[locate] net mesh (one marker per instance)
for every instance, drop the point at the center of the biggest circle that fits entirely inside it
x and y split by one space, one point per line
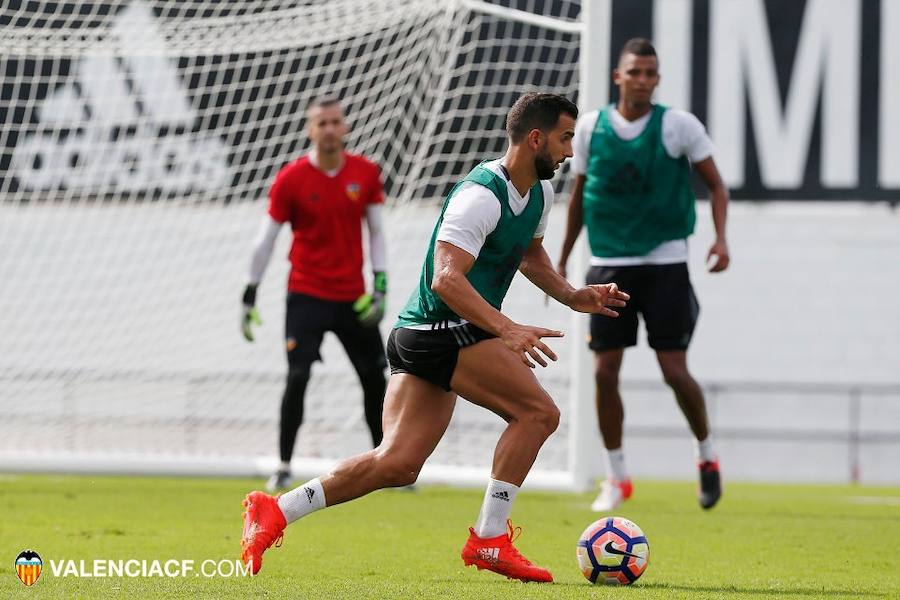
137 143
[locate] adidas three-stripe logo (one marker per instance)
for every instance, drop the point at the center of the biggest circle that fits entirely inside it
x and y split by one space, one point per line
462 335
489 554
124 123
501 496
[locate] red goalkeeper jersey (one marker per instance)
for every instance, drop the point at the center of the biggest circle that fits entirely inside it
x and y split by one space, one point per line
325 213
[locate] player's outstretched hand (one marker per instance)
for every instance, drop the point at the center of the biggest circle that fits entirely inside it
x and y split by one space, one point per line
597 298
525 341
249 314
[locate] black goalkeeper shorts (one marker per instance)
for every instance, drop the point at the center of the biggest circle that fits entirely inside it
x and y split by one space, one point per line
431 354
308 318
661 294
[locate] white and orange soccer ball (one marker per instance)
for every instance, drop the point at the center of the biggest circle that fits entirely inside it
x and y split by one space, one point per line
613 550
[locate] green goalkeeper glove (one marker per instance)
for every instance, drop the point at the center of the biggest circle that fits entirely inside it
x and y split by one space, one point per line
369 308
249 314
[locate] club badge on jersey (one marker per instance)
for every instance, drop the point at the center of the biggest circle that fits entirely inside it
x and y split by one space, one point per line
353 191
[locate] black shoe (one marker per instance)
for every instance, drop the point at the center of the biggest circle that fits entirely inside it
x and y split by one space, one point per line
710 484
280 480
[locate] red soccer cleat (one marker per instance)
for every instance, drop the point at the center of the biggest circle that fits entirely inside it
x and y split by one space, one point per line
263 526
498 554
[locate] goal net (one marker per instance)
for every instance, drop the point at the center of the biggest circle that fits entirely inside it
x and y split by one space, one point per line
138 139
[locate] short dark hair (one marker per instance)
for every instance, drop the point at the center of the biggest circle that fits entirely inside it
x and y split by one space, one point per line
639 46
536 110
324 100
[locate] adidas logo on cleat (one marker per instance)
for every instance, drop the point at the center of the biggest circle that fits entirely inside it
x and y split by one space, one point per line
125 122
492 555
500 496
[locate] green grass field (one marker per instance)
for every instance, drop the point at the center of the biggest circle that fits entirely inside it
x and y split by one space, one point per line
762 541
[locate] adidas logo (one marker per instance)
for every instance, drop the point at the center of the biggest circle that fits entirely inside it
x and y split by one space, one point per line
309 494
489 554
501 496
125 123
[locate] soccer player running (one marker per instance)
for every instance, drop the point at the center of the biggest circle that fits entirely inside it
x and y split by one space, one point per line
633 191
451 338
325 195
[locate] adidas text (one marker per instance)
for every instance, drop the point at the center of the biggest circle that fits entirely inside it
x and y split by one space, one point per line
123 122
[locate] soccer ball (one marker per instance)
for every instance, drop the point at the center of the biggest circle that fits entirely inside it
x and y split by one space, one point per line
612 550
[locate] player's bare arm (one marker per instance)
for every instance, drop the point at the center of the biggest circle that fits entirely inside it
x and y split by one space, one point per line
449 282
574 223
536 266
719 199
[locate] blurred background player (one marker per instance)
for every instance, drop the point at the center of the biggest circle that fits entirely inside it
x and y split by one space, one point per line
633 191
325 195
451 338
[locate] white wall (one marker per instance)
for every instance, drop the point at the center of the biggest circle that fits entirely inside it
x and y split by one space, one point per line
117 315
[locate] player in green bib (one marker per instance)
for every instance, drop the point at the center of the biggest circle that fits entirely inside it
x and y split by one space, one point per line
633 191
451 338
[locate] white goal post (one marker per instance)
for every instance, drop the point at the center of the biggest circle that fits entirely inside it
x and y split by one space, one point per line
137 142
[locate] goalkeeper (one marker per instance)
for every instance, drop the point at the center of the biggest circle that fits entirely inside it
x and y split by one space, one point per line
325 195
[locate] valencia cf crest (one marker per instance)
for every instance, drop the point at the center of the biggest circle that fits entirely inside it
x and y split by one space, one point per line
28 566
353 191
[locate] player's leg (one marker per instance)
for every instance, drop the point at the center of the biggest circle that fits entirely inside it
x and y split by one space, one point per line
608 340
689 395
305 321
617 486
416 415
365 350
610 410
671 313
491 376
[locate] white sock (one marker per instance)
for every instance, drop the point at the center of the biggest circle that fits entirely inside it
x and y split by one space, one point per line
285 466
704 450
615 465
301 501
495 509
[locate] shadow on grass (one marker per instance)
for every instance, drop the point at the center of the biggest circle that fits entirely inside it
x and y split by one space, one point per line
722 589
777 592
769 513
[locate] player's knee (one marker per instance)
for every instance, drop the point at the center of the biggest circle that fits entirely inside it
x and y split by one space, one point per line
551 419
545 417
677 378
298 374
606 378
295 389
399 471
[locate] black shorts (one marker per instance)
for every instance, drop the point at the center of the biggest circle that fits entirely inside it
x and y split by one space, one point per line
663 296
307 320
431 354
